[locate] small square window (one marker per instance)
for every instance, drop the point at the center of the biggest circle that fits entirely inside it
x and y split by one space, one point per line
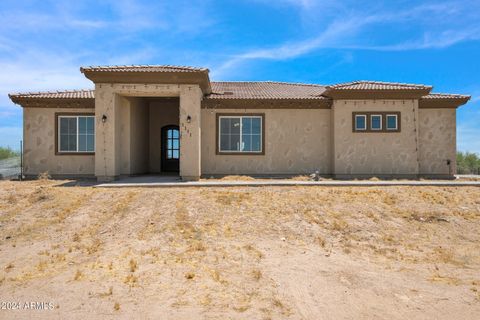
360 122
376 122
392 122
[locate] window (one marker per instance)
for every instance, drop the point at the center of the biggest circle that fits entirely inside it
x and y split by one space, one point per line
240 134
173 144
392 122
76 134
376 122
360 122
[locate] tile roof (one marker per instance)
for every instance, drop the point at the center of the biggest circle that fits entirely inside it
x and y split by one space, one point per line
265 90
377 85
142 68
235 91
433 96
68 94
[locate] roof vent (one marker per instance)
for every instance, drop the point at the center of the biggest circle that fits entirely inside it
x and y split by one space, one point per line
228 93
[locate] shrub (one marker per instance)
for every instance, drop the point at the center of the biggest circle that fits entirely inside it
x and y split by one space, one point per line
7 152
468 163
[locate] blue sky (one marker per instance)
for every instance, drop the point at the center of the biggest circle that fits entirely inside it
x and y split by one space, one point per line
43 44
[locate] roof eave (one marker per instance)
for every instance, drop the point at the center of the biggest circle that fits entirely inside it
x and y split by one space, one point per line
256 103
29 102
441 103
376 94
200 77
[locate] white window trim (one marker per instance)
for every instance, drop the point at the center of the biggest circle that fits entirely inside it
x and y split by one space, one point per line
396 122
371 122
241 142
59 135
364 116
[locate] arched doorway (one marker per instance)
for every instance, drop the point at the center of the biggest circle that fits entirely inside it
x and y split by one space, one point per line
170 157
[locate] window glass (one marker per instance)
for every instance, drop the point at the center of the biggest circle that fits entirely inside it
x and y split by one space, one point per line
68 134
230 134
91 142
257 125
376 122
256 142
360 122
392 122
85 134
91 125
173 144
240 134
76 134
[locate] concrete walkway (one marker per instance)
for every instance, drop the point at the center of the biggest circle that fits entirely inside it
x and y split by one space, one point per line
172 181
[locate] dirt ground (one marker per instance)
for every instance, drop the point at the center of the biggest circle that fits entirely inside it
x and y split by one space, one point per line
239 253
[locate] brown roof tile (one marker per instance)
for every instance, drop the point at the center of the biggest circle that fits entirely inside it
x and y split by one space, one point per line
434 96
68 94
265 90
142 68
377 85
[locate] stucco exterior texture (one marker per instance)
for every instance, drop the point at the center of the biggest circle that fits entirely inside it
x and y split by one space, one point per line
426 141
39 145
297 141
306 128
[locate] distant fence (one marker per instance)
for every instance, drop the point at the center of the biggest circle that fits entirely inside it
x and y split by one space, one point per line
461 170
10 168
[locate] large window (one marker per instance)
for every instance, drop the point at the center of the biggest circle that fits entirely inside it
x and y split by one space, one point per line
376 121
76 134
240 134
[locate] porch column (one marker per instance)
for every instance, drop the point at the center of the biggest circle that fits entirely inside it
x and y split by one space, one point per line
190 135
107 149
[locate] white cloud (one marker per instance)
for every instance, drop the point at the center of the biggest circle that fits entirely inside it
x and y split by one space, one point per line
341 34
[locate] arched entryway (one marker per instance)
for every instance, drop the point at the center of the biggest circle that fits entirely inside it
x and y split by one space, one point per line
170 155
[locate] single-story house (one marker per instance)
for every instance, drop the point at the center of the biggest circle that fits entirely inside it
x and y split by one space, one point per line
169 119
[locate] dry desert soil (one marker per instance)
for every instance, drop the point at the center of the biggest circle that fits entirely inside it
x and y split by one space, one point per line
239 253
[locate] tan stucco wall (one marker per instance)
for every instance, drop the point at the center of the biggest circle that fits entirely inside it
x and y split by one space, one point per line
162 113
190 132
39 145
437 138
139 136
375 153
133 140
108 101
296 141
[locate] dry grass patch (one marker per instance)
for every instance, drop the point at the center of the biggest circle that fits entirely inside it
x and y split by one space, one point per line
227 252
237 178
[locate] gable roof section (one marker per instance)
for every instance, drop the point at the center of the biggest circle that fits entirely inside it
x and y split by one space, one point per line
376 89
265 90
266 95
377 85
164 74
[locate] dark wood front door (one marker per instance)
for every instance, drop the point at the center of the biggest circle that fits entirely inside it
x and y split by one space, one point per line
170 148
